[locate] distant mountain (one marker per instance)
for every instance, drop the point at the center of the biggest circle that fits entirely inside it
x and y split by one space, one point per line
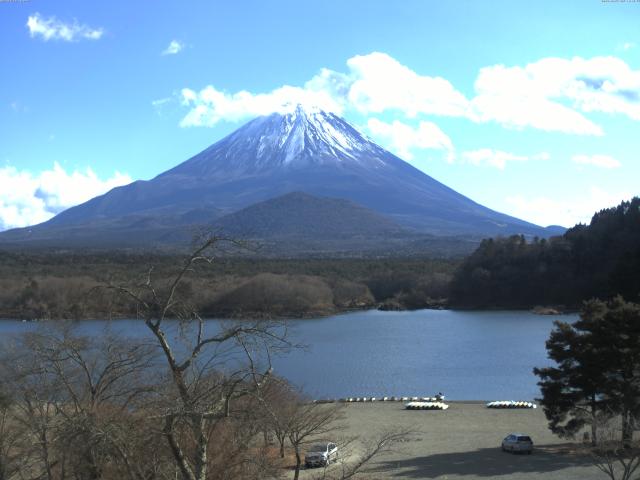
308 151
299 214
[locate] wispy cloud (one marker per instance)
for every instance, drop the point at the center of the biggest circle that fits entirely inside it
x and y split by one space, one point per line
51 28
602 161
18 107
174 47
403 138
498 158
28 199
552 94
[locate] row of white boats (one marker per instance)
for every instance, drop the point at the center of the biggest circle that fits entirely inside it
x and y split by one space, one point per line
426 406
510 404
381 399
427 403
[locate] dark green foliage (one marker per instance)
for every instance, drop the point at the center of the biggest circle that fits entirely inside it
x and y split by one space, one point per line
599 260
614 333
598 360
572 392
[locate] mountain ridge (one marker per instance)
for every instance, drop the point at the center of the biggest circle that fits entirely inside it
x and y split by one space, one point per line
308 151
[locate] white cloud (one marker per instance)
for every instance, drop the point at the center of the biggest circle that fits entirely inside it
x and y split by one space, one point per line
602 161
565 211
552 94
374 83
510 97
174 47
498 158
628 46
53 29
379 83
402 138
210 106
161 101
27 199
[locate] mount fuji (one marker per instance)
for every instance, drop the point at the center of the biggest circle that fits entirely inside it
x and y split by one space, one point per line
304 150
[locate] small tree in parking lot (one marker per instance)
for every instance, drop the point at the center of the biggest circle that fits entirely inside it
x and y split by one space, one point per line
307 423
617 459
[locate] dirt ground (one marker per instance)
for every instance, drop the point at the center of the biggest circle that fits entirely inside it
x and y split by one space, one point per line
464 442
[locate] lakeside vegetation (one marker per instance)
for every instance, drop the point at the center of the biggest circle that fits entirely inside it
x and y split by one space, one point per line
57 285
597 260
202 405
205 404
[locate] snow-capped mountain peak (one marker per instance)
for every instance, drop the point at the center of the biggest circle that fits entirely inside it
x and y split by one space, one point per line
298 150
300 137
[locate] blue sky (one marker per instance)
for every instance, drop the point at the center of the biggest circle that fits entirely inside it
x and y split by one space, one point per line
530 108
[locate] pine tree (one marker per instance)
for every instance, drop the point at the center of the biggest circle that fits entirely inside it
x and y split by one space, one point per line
598 362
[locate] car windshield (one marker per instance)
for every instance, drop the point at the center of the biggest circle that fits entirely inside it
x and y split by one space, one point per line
318 448
524 439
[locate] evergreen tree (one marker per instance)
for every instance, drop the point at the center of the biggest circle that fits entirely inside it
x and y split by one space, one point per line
598 362
615 330
572 393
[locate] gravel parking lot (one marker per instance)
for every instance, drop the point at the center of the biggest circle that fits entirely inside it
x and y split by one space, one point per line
464 442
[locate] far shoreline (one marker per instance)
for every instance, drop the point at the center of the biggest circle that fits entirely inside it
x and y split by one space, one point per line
310 315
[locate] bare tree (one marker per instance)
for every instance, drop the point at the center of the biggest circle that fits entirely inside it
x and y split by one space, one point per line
307 423
12 440
279 401
75 396
208 369
614 455
357 455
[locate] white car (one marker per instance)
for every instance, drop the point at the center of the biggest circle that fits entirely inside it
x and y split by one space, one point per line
321 454
517 442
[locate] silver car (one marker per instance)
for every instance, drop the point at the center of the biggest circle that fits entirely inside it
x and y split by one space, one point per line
321 454
517 442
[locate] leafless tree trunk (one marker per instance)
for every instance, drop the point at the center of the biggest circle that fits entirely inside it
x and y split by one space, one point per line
210 370
75 396
12 438
308 421
615 453
356 455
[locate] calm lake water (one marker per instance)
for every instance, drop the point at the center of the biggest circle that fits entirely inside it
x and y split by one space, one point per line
466 355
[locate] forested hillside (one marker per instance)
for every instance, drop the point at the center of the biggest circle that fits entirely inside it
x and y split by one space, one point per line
60 285
601 259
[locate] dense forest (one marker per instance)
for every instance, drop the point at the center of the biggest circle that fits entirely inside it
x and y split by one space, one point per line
61 285
601 259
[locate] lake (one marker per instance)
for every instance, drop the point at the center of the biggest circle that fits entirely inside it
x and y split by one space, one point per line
467 355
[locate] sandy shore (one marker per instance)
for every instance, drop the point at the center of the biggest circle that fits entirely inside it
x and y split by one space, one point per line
464 442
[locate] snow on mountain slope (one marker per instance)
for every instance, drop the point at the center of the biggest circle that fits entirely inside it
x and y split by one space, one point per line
298 139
